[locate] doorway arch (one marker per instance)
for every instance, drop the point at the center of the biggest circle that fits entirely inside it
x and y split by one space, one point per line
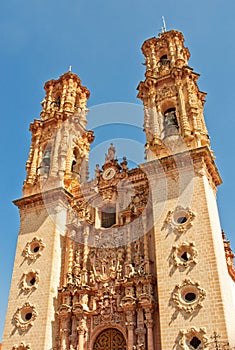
110 339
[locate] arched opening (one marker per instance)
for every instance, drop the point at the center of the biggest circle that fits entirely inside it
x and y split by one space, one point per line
164 60
170 122
110 339
76 163
46 160
108 216
170 117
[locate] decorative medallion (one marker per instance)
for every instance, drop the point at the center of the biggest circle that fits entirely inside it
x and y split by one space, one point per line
184 254
193 338
188 296
179 220
33 249
25 317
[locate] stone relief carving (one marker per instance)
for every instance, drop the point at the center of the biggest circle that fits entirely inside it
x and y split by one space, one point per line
115 238
165 92
33 249
184 254
106 264
188 296
179 220
116 280
25 317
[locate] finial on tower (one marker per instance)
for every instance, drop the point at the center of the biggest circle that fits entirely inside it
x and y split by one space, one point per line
70 68
164 24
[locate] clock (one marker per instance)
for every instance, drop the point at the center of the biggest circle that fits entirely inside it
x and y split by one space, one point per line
109 173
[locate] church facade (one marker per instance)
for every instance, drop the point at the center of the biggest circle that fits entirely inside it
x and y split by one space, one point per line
133 259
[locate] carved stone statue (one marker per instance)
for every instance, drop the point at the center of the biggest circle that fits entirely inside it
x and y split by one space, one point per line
111 153
97 171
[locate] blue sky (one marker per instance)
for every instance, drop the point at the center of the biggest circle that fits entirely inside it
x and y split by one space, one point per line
102 40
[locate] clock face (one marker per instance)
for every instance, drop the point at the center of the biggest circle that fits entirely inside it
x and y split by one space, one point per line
108 173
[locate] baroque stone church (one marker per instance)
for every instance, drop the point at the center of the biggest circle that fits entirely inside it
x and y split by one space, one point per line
133 259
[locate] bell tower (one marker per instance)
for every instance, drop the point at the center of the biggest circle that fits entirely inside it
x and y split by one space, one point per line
172 101
60 143
195 287
56 167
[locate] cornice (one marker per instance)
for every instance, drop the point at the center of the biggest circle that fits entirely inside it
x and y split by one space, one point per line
182 160
49 196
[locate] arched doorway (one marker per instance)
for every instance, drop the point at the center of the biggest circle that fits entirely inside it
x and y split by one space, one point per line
110 339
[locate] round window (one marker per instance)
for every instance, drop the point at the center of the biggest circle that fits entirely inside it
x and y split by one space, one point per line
189 294
189 297
180 217
31 278
26 314
34 247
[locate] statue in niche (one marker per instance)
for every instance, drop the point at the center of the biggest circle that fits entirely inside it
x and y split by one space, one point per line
69 278
119 271
141 269
77 275
77 256
84 302
92 278
130 271
112 270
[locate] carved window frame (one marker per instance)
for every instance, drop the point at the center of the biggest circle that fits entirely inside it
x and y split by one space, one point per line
186 336
182 290
26 284
33 249
21 319
187 248
174 217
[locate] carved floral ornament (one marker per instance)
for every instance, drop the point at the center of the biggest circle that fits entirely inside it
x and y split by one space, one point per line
25 317
179 220
22 346
184 254
188 296
30 281
193 338
33 249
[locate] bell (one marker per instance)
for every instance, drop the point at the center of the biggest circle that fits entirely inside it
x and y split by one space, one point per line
46 157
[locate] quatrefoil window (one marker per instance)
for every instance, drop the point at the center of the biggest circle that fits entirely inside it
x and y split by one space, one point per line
184 254
34 249
192 339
